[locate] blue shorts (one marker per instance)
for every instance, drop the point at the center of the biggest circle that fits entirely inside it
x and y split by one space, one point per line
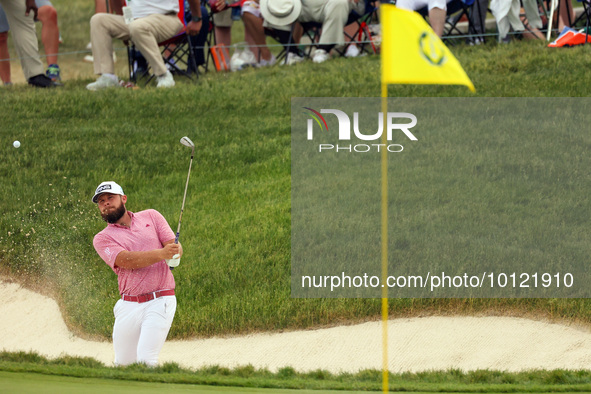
4 22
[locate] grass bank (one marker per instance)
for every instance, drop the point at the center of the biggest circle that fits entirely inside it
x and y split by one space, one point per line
235 275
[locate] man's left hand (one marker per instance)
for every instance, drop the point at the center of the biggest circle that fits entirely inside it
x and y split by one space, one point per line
193 28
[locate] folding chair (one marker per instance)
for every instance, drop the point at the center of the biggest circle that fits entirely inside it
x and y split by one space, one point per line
585 16
311 32
177 52
287 39
363 37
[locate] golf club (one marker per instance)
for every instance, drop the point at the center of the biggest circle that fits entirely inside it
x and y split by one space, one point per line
176 260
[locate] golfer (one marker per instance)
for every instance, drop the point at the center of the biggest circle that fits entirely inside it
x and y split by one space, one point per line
135 246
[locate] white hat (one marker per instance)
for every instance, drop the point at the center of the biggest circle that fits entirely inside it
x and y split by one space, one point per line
107 187
281 12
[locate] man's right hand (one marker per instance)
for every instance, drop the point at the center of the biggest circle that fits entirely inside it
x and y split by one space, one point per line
218 5
168 251
31 6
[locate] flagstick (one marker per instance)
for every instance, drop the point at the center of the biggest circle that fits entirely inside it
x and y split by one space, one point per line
384 159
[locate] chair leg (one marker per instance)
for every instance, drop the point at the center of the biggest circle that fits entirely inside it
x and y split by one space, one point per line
132 76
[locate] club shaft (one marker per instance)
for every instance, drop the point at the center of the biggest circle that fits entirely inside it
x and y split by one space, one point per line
178 230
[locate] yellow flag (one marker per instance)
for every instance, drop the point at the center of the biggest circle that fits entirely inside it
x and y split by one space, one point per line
413 54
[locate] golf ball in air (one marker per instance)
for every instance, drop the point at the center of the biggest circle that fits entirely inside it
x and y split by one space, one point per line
16 144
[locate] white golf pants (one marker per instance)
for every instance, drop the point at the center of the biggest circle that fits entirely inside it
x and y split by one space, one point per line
141 328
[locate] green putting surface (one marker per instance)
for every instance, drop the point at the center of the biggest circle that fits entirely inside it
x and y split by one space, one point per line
23 383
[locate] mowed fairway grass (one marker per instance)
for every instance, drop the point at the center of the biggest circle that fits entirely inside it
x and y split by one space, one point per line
235 275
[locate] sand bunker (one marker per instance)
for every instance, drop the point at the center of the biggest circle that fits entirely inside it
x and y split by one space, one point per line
33 322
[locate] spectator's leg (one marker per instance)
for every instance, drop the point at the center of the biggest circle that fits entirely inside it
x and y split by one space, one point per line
223 27
24 36
437 20
335 15
147 32
103 28
223 35
478 16
254 27
503 28
50 33
567 14
252 44
4 58
532 20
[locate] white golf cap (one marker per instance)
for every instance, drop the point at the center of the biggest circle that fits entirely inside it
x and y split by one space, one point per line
107 187
281 12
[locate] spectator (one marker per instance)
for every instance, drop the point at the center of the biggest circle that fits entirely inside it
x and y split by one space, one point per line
152 21
253 28
332 14
224 15
279 18
106 7
50 36
478 19
198 40
507 14
222 20
19 17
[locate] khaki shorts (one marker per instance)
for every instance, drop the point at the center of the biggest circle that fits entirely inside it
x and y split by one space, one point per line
223 19
4 22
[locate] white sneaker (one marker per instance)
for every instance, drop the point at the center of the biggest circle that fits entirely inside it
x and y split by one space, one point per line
248 57
352 51
270 62
476 41
320 56
292 59
165 81
103 82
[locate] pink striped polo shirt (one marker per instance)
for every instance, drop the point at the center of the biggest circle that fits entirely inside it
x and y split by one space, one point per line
148 231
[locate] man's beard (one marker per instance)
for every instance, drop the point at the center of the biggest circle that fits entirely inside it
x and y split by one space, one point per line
114 215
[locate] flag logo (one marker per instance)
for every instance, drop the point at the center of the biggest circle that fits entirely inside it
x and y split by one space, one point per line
431 49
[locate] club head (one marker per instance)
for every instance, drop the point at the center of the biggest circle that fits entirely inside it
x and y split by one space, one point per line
187 142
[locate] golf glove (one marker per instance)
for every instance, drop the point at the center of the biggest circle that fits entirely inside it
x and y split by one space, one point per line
175 261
